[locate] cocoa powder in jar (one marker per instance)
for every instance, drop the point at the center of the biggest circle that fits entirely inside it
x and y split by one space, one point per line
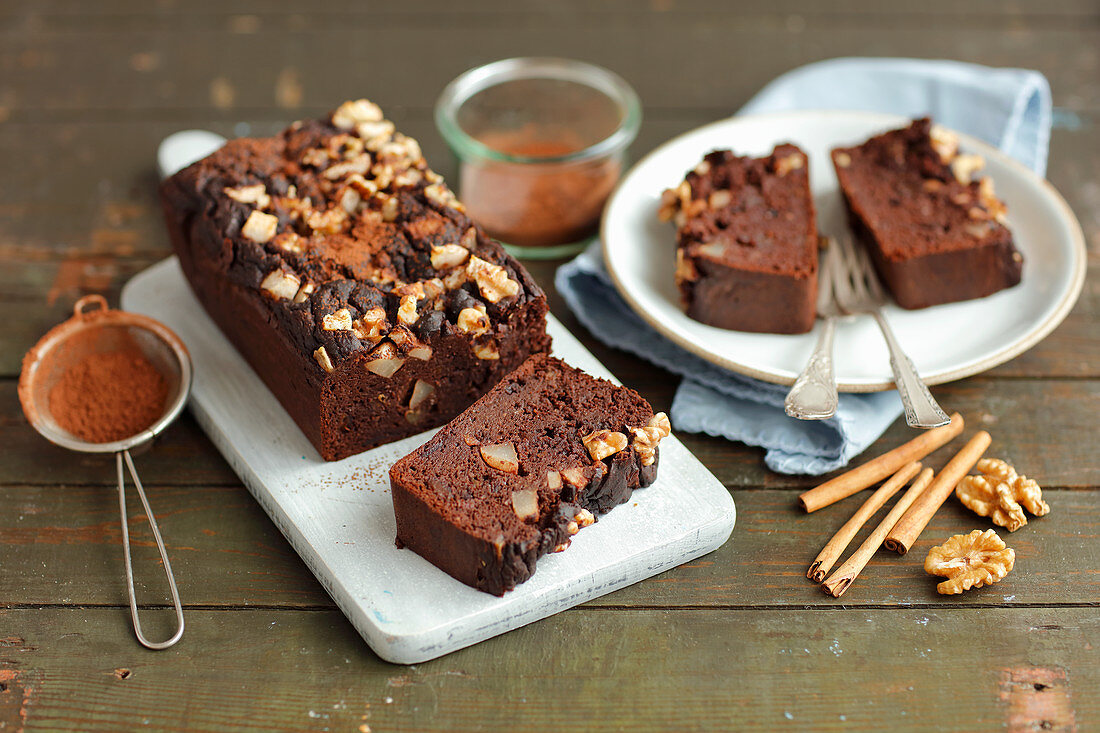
533 203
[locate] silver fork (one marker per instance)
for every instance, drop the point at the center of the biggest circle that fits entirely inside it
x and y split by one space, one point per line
858 290
813 395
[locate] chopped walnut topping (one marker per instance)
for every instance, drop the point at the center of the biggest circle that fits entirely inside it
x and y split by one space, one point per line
988 198
281 284
260 227
673 200
703 168
432 288
321 357
439 194
963 167
288 242
406 312
455 278
344 146
685 268
330 221
1001 494
375 133
603 443
446 256
385 360
491 279
350 200
473 321
792 162
407 178
401 148
562 547
486 349
843 159
469 239
383 175
256 194
501 456
303 293
351 113
371 325
338 321
944 142
358 165
361 185
970 561
584 518
389 207
316 157
720 199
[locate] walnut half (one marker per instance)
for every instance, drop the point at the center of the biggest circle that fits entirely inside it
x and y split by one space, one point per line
1001 494
970 561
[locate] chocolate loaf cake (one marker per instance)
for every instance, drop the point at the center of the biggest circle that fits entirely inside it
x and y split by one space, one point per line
935 230
746 241
348 276
522 470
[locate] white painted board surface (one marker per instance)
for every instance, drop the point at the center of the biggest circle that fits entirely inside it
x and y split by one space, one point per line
338 516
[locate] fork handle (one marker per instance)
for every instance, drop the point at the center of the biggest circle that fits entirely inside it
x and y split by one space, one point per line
921 409
813 396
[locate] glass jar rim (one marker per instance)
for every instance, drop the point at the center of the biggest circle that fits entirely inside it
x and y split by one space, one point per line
475 80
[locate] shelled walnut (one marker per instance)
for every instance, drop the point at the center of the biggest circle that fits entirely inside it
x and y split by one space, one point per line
970 561
1001 494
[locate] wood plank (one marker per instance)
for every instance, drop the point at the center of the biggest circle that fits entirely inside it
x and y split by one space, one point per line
147 72
983 10
625 669
1061 454
61 545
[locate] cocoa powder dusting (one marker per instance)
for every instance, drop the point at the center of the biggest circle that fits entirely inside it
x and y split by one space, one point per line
110 396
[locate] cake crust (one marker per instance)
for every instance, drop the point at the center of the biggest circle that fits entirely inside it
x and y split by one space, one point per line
349 277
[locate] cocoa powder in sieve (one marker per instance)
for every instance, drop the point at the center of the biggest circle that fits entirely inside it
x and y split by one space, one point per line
109 396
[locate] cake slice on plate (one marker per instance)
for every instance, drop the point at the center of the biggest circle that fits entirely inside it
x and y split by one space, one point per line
746 256
522 470
935 230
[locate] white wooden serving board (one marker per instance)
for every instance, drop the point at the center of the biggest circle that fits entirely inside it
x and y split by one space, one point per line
338 516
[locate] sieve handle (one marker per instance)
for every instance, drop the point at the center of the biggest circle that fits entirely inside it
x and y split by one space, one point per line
160 546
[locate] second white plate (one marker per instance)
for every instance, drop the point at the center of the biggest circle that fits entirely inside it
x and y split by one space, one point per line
946 343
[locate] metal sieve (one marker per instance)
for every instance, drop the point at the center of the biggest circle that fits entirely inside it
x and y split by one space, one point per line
96 329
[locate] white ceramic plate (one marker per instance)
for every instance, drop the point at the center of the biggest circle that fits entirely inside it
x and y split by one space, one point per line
946 342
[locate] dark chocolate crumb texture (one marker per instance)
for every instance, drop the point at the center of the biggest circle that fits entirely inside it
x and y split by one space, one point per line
350 278
934 228
522 470
746 255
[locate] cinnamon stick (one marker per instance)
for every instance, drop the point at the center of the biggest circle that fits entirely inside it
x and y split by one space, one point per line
831 552
910 526
877 469
846 574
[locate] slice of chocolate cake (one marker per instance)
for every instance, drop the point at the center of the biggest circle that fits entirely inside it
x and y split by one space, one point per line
522 470
935 230
746 256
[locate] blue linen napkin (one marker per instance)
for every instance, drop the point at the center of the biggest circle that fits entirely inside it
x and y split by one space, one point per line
1009 108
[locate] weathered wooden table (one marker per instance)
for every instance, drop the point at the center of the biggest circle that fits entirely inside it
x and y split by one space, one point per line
739 638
